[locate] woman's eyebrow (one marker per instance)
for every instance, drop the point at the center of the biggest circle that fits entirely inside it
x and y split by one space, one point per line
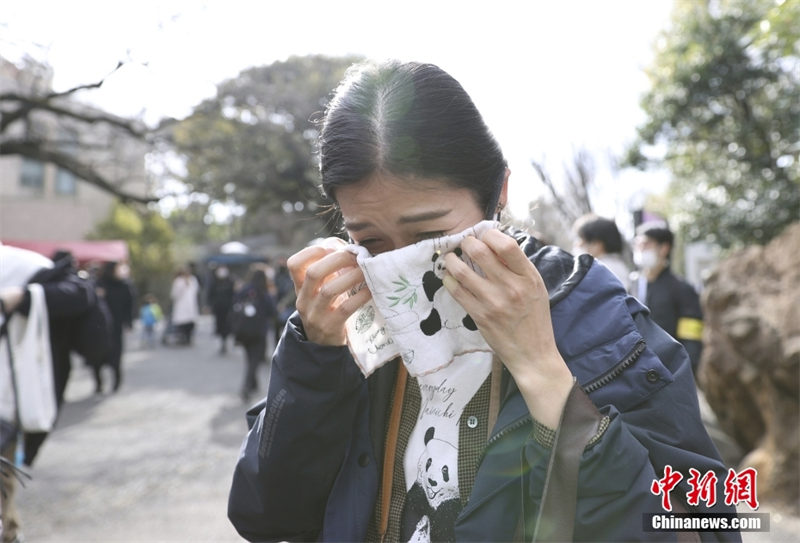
405 219
356 226
424 216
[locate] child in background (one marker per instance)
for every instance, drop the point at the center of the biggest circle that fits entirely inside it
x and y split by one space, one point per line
150 315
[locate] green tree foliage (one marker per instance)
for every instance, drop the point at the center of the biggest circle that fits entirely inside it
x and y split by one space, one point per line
253 143
724 109
194 224
150 239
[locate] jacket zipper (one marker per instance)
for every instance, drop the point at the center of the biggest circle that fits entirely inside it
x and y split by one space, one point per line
600 382
615 372
510 428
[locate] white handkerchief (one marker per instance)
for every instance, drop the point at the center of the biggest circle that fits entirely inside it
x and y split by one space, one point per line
411 314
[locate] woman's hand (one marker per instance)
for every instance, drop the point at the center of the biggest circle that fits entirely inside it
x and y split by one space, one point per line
323 278
512 310
12 297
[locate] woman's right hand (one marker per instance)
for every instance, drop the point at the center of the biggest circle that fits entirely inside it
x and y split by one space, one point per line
323 278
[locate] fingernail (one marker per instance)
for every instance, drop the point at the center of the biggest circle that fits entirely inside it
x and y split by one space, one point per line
449 283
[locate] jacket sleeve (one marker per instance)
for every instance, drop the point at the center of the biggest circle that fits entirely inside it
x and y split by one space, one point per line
629 444
297 441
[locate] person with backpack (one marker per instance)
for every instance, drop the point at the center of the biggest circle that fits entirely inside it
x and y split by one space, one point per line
74 323
252 317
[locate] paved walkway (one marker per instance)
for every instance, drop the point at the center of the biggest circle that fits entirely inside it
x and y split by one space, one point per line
150 463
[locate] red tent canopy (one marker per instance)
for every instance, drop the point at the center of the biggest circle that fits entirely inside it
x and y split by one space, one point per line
83 251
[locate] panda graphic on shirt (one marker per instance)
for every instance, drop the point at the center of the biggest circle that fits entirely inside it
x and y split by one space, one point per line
433 502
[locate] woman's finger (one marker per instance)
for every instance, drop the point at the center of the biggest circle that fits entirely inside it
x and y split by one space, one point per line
299 262
343 283
483 256
508 251
320 271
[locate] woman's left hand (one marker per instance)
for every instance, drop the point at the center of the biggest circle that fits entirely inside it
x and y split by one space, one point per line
511 307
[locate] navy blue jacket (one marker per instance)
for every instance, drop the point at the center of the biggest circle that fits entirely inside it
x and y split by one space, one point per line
309 466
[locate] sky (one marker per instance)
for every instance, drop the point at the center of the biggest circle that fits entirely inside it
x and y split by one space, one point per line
548 76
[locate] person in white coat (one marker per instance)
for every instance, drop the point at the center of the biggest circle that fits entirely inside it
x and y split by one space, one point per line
185 309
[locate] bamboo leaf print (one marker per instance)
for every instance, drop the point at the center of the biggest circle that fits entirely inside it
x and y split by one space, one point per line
406 293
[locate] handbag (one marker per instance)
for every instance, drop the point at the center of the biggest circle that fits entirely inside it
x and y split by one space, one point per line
30 360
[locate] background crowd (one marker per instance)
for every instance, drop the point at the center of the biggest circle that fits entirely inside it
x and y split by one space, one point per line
90 309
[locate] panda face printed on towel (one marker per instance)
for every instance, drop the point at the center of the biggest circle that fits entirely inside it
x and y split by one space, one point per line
432 284
384 212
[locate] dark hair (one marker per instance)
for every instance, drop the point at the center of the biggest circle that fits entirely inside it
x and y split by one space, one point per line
107 270
258 278
408 120
62 254
656 230
592 228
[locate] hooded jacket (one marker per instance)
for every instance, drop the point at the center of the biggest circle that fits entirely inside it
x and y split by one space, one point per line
310 464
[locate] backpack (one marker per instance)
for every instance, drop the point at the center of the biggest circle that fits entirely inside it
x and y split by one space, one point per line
89 327
247 320
93 338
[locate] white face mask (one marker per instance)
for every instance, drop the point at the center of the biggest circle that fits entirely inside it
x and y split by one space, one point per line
123 271
646 259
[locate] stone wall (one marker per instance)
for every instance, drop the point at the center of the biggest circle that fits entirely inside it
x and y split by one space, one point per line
751 357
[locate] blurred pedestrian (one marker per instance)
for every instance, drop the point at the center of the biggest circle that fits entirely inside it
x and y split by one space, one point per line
220 299
53 306
254 316
285 296
600 238
201 285
185 307
115 287
150 315
674 303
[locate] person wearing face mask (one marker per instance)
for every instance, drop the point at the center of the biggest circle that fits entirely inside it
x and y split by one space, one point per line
551 424
674 304
220 298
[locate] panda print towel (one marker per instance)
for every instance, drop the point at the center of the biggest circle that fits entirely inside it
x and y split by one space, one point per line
411 314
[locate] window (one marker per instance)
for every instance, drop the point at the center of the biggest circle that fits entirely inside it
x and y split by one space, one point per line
31 175
65 183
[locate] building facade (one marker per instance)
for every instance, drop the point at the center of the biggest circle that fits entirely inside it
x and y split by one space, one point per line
41 201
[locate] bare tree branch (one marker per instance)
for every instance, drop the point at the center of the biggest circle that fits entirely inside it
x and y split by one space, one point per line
561 206
88 86
28 104
574 201
38 151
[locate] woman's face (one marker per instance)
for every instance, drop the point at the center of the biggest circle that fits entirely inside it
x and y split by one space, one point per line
384 212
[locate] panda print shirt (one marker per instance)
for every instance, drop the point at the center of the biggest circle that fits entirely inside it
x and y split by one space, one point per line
430 463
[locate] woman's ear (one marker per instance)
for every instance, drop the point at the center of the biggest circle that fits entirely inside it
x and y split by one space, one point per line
501 203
